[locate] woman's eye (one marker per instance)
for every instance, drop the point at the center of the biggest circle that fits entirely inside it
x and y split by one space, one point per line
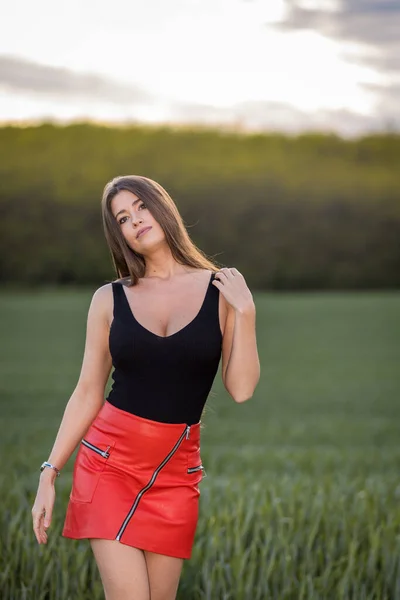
121 221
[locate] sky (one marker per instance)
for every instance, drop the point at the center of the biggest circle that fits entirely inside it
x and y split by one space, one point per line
284 65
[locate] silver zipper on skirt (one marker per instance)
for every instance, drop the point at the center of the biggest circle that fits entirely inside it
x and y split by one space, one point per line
134 506
194 469
105 453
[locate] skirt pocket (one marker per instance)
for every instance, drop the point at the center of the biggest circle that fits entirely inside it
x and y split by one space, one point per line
90 462
195 469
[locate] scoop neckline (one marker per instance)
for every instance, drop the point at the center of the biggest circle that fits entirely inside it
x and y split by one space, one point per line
167 337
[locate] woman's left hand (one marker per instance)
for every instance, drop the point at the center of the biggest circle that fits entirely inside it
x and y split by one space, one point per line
234 288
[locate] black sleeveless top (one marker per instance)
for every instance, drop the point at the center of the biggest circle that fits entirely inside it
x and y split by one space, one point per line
165 379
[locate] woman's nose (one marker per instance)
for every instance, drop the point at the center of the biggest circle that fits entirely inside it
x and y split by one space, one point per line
136 220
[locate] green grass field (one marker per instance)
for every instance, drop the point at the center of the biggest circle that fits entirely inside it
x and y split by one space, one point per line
302 494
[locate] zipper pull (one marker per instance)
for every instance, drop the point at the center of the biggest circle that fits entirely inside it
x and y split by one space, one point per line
187 431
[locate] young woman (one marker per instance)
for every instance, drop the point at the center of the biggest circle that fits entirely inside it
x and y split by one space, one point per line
164 326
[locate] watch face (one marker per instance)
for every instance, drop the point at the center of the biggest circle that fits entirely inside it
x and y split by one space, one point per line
47 464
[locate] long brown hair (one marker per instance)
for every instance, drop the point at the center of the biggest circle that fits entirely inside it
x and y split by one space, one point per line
129 263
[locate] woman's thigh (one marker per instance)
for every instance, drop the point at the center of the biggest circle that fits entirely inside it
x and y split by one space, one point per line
123 570
164 573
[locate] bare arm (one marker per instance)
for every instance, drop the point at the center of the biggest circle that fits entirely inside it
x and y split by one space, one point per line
241 371
82 407
88 396
240 361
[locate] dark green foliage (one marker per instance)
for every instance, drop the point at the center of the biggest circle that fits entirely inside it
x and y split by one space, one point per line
308 212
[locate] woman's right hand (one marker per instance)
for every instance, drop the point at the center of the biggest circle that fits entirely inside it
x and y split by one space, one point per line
42 509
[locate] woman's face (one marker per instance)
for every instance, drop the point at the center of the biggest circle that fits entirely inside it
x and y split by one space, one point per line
132 215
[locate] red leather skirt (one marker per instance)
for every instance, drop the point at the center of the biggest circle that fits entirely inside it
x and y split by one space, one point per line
136 481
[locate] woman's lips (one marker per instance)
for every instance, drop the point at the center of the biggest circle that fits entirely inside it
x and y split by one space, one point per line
143 231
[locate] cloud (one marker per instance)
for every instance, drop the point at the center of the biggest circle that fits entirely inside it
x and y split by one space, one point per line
33 80
21 75
277 116
388 102
374 24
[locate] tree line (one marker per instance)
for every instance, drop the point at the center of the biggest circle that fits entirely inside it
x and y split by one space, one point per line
305 212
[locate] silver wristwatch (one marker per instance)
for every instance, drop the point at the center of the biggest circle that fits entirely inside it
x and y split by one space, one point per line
47 464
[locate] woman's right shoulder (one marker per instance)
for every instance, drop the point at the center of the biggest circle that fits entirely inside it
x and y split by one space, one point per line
106 290
102 302
103 299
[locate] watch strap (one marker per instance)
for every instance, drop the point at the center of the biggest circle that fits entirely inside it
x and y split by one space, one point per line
47 464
